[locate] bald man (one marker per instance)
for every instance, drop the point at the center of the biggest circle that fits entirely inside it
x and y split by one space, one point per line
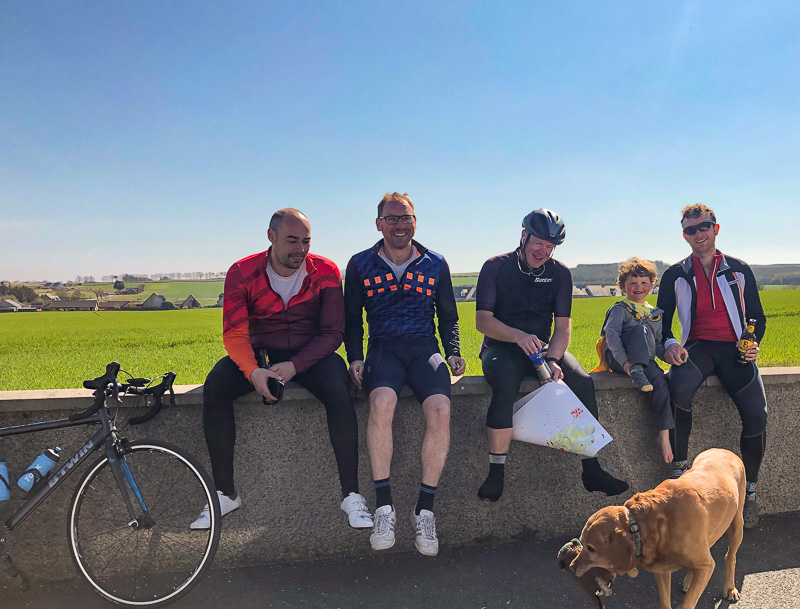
284 307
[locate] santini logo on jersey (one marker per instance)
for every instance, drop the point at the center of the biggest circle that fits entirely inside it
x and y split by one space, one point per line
543 280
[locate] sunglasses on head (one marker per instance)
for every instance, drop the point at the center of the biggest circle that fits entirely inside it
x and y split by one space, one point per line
702 227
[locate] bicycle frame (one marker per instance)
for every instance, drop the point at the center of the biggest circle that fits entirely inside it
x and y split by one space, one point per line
105 436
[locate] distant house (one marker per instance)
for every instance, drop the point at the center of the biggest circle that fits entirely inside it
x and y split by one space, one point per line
464 293
597 290
7 304
113 305
578 292
613 290
220 300
85 304
190 303
154 302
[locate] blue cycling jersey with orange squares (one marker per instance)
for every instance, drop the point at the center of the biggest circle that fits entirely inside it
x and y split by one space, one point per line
398 307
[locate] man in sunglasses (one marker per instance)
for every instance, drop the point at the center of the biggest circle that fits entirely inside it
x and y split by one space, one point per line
714 296
402 286
284 306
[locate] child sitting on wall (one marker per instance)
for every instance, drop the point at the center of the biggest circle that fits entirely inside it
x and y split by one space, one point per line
631 340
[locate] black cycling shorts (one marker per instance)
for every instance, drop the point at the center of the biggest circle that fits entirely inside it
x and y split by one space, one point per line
416 362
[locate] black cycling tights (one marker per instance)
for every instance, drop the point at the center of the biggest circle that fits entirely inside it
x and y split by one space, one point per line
743 384
327 380
505 365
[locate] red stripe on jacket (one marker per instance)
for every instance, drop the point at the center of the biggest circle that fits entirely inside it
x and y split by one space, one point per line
253 315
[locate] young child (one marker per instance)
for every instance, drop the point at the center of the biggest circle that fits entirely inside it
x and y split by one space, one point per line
632 332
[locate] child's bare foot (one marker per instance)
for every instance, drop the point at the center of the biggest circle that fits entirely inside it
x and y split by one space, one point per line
663 444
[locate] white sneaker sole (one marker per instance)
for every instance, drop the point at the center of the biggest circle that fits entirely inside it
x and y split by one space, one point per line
381 545
427 551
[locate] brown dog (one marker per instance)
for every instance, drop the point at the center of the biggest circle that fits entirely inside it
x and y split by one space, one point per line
673 527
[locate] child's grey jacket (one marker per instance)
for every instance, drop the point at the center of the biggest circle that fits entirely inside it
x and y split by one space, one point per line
620 321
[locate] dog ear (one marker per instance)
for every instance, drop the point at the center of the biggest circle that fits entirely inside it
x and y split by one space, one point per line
624 551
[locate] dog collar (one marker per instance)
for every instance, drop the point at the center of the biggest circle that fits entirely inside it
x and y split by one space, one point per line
637 540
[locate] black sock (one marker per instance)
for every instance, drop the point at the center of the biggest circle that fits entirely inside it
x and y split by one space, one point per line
426 496
492 488
595 478
383 493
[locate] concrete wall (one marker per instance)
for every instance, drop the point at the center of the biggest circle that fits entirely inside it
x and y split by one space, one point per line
287 477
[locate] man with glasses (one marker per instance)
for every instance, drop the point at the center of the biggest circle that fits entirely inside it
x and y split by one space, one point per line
714 296
524 302
402 286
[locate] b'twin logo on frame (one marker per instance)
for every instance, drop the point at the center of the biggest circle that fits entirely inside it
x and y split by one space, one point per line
543 280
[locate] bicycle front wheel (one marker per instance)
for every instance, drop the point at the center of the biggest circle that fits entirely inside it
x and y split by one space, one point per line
155 559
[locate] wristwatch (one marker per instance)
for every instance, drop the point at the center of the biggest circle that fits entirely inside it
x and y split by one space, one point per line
553 359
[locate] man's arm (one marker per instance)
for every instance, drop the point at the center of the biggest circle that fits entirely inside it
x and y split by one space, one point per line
752 303
353 314
331 325
236 322
447 315
674 353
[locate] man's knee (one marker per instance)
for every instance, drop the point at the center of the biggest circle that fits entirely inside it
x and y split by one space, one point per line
437 412
382 403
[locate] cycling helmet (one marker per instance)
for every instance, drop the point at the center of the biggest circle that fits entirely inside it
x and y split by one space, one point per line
545 224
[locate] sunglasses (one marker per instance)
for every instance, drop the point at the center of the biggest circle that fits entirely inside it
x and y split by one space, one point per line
702 227
407 219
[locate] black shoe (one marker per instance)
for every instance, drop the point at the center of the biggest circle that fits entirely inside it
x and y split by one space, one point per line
597 479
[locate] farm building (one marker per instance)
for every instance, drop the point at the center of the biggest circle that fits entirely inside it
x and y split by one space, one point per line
7 304
113 305
220 300
154 302
190 303
578 292
597 290
613 290
464 293
83 304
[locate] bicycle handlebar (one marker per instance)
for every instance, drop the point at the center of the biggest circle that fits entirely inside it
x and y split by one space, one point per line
107 386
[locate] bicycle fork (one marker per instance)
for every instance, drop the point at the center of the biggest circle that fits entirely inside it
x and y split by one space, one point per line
124 478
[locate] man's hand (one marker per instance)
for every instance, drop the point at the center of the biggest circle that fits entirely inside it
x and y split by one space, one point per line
285 371
357 373
752 352
457 365
676 355
529 343
259 380
556 371
627 368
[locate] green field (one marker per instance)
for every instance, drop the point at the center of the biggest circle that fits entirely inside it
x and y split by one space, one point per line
59 350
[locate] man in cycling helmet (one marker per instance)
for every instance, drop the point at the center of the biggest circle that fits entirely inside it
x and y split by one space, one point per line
524 301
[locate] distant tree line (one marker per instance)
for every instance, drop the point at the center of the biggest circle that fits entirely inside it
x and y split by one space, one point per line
17 291
140 277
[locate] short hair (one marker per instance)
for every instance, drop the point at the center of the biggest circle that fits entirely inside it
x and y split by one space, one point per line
277 218
636 267
697 210
395 196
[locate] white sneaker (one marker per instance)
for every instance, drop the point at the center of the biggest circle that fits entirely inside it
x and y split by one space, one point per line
425 527
355 506
382 537
226 505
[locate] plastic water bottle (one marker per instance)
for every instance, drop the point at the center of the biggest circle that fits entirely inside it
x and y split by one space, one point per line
4 492
542 369
42 466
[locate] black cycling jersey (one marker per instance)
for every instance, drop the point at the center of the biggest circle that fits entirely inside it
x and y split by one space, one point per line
527 301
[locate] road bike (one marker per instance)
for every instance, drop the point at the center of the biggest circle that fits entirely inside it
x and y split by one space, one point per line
128 520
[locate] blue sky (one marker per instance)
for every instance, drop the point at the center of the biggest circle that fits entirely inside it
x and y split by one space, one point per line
147 137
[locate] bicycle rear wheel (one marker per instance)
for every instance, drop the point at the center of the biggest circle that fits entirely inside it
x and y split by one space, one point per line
161 560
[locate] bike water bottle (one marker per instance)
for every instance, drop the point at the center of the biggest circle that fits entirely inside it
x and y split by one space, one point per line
542 369
4 484
42 466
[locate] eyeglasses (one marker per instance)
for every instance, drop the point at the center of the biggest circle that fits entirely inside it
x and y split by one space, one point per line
702 227
407 219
